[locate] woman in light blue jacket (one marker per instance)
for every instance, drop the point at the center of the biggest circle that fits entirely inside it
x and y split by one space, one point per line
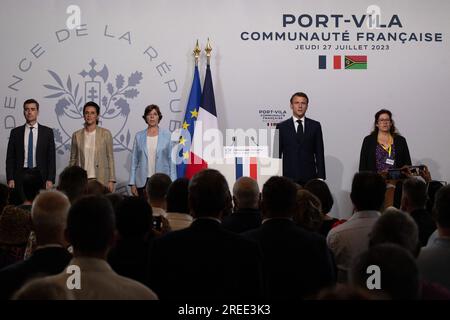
152 152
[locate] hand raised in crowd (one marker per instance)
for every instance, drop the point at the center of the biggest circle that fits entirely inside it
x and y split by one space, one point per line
405 171
163 228
425 174
385 174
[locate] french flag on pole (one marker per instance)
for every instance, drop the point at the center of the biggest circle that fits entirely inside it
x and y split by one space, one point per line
207 119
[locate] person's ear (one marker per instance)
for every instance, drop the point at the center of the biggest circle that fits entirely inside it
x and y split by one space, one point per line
235 202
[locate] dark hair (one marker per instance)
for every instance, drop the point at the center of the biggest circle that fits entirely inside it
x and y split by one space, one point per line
441 209
208 193
320 189
133 217
90 224
149 109
279 197
432 188
299 94
399 272
416 191
115 199
177 196
73 182
395 226
309 213
393 129
368 190
28 101
157 186
92 104
32 183
97 188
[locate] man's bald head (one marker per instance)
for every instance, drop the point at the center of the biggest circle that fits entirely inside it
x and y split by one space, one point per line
49 216
246 193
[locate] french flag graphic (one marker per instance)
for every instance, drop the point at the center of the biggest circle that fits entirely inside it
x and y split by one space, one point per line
247 167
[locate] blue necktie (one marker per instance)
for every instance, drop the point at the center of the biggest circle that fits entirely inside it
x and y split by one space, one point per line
30 148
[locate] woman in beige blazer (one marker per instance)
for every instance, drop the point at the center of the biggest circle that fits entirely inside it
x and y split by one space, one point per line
92 148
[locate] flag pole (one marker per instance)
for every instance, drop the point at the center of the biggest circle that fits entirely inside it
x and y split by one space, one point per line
208 50
197 51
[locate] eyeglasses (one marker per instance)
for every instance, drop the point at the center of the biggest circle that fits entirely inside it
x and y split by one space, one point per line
384 120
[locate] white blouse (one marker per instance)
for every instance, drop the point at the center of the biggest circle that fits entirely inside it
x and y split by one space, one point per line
152 143
89 153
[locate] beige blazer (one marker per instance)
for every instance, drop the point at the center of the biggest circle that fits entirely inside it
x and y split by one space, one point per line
98 282
104 157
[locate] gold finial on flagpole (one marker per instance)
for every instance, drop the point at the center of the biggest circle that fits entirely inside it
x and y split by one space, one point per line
197 51
208 50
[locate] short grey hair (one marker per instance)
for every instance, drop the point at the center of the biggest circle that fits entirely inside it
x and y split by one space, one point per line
49 211
246 192
398 227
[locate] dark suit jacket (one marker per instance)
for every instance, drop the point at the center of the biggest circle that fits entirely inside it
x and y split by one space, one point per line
296 263
45 261
242 220
45 154
130 258
304 160
425 224
205 262
367 161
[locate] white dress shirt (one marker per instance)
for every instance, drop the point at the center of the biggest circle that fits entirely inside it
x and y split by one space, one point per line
296 123
350 239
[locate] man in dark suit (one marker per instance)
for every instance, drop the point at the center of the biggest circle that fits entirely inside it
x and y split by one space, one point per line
205 261
413 201
297 263
49 215
300 143
31 145
246 215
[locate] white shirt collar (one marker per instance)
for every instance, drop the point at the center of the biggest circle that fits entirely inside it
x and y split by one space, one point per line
365 214
34 126
295 120
302 119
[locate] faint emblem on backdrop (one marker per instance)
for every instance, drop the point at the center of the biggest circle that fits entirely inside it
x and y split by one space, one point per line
111 93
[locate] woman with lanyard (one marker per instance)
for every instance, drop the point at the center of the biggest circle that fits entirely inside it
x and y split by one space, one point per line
384 148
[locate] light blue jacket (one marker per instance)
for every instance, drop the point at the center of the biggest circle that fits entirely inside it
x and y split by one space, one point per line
139 158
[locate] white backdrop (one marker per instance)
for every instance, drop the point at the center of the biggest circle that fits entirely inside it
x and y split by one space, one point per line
147 46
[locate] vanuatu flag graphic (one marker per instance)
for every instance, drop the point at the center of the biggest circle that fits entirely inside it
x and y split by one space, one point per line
355 62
